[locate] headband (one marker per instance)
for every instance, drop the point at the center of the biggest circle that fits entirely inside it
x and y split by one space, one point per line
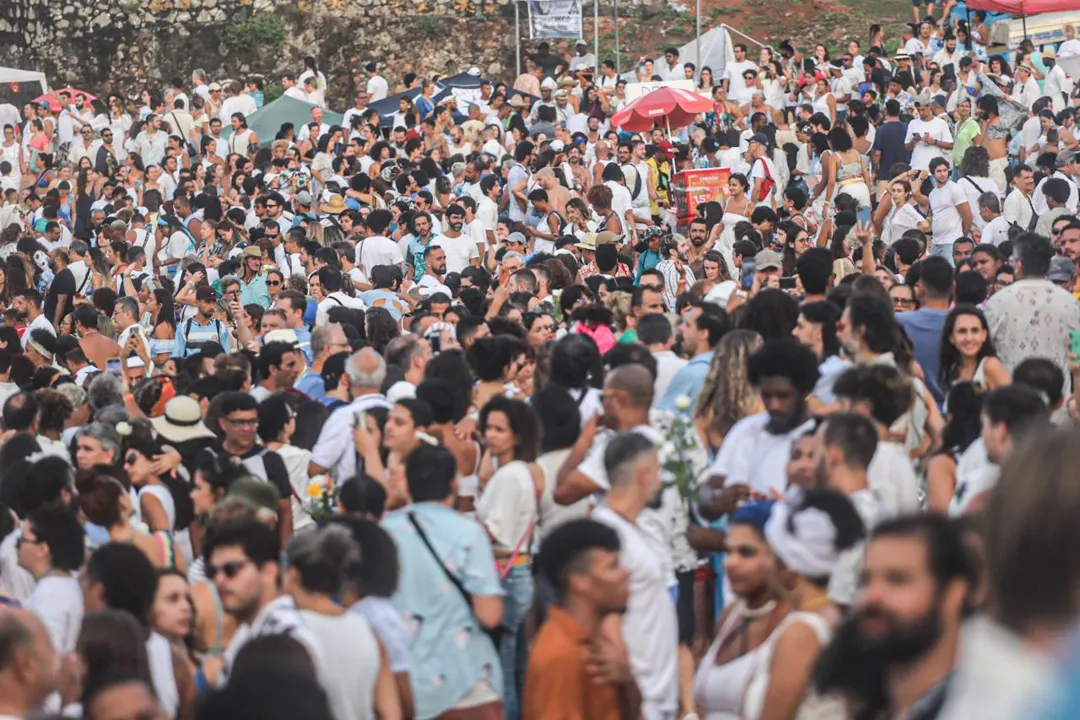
39 349
804 540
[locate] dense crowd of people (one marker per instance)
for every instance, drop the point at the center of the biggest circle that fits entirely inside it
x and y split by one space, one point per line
452 415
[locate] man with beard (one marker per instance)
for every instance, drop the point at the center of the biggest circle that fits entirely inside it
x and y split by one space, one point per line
461 248
431 281
755 452
579 174
699 245
894 656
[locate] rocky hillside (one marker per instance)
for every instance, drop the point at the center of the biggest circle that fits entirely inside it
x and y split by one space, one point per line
127 45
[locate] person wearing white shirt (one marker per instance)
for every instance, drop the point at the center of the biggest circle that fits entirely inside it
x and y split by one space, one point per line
329 282
649 626
431 281
51 548
928 137
668 67
733 79
949 209
1058 85
1019 205
335 450
584 60
238 102
756 450
378 249
1025 89
974 187
377 87
357 111
487 207
995 229
656 334
460 248
296 92
316 118
1041 207
1071 46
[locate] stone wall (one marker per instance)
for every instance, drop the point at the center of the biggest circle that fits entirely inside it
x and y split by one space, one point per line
128 45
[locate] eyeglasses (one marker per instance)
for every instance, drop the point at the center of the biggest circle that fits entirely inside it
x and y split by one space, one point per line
242 422
230 569
236 293
903 302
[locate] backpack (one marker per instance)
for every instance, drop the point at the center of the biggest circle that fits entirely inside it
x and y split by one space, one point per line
767 184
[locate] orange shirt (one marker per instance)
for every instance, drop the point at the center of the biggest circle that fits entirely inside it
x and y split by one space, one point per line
557 686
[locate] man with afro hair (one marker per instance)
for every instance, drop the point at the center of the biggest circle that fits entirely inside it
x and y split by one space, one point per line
754 456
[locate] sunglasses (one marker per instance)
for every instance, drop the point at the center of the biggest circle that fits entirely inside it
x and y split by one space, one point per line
230 569
130 459
273 283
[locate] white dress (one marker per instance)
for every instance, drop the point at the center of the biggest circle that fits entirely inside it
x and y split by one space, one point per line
726 244
813 706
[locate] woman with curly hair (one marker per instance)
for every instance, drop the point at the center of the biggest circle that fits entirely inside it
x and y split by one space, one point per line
726 395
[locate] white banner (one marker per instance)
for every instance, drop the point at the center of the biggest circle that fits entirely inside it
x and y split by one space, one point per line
554 19
636 90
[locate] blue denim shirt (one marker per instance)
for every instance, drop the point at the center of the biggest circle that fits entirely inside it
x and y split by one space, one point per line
450 653
687 381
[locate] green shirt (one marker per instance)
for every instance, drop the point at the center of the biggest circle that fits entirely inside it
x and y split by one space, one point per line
963 137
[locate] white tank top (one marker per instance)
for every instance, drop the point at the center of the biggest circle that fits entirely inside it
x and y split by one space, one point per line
718 689
813 706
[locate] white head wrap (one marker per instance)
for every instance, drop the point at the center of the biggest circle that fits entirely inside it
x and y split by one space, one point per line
808 546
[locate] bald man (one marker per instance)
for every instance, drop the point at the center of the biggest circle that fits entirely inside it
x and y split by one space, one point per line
28 664
628 394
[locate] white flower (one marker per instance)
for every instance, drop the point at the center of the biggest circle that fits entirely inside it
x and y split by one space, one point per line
123 429
682 402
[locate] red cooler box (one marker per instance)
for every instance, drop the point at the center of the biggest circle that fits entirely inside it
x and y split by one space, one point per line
693 188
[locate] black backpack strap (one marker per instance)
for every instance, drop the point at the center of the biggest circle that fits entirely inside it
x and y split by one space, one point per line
466 596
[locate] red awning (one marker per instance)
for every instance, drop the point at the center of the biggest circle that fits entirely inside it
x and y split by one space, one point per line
1026 8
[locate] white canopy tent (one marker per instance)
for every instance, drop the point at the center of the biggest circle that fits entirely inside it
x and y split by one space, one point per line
10 75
